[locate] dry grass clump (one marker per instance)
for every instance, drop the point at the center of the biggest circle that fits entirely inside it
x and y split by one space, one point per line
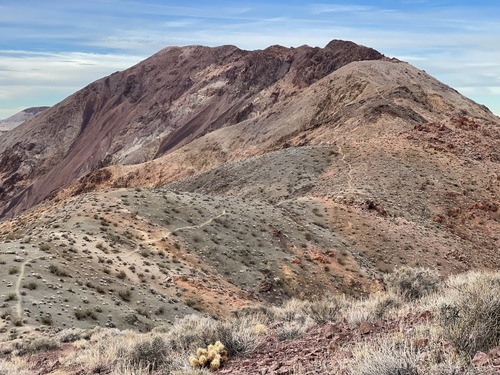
371 309
70 335
320 311
238 336
40 344
413 283
295 317
11 368
470 314
383 358
150 353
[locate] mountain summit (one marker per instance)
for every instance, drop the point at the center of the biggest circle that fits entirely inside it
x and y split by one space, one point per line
154 108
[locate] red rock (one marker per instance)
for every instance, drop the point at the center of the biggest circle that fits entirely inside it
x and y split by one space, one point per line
494 352
480 359
421 343
365 328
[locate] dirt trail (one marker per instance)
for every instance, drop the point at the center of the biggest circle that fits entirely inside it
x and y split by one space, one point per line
19 305
349 172
149 240
199 225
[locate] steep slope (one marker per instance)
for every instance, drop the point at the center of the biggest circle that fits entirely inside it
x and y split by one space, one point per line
154 108
20 117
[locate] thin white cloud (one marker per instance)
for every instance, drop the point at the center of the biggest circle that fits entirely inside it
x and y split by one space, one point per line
338 8
458 45
32 78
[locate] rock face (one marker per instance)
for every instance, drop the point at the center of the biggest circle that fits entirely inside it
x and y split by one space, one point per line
20 117
154 108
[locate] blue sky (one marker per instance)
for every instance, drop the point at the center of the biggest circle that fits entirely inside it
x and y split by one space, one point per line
51 48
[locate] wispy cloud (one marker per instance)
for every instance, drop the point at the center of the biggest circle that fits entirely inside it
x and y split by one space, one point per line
36 78
338 8
52 49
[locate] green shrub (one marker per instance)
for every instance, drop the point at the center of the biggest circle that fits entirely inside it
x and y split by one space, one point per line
412 283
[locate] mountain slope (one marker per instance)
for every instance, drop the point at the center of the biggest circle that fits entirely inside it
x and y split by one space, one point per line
278 173
154 108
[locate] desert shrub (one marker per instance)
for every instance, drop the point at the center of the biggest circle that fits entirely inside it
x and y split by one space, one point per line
448 369
47 320
125 295
370 309
470 315
324 310
13 270
11 297
151 354
31 285
212 357
54 269
239 337
195 331
291 310
293 329
383 358
41 344
412 283
9 368
70 335
84 314
44 246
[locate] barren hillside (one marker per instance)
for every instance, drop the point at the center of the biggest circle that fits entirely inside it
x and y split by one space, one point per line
215 180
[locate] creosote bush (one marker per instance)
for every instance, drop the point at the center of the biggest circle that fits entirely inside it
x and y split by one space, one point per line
212 357
412 283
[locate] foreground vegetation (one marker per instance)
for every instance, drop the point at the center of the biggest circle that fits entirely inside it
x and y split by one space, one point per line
420 325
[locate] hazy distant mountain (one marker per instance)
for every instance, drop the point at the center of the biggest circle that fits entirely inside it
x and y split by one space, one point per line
20 117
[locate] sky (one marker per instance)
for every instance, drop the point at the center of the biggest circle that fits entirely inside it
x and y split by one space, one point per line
51 48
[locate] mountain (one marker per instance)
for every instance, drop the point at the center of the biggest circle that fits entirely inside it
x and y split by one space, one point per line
20 117
213 179
155 108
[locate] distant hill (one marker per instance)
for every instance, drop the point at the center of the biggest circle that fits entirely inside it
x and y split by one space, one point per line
20 117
